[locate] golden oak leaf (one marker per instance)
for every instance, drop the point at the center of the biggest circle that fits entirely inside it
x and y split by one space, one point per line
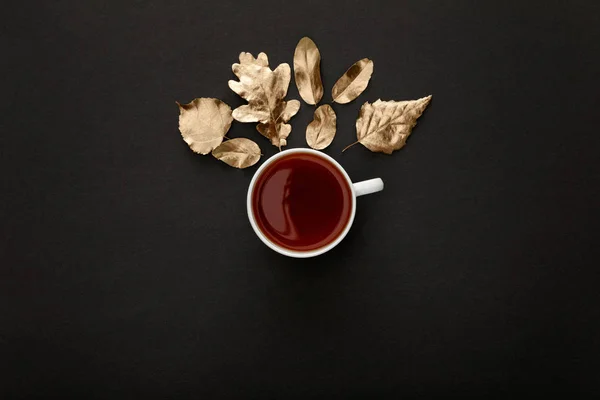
384 126
307 71
354 81
321 131
277 130
203 123
265 91
239 152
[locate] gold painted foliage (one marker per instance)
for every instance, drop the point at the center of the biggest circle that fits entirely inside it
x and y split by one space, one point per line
264 90
354 81
384 126
276 129
239 152
203 124
321 131
307 71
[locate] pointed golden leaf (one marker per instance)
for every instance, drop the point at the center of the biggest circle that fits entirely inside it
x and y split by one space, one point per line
321 131
239 152
354 81
265 91
384 126
203 123
307 71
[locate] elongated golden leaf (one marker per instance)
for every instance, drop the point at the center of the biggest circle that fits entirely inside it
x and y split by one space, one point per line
354 81
307 71
321 131
264 90
239 152
203 123
384 126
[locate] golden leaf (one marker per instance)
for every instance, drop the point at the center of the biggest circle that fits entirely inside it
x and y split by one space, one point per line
354 81
277 130
321 131
384 126
239 152
264 90
307 71
203 123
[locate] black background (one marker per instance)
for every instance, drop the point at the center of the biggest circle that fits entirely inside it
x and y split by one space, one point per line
129 268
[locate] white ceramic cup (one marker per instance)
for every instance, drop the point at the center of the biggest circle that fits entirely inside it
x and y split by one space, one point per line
358 189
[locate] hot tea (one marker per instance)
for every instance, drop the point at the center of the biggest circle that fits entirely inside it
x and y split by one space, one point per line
302 202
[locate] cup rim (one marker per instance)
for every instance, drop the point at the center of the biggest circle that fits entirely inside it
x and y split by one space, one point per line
282 250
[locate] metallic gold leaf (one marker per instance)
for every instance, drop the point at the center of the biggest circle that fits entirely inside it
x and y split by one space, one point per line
321 131
203 123
384 126
277 131
354 81
239 152
247 59
307 71
264 90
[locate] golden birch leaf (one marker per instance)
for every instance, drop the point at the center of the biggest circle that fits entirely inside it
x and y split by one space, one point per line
321 131
265 91
384 126
307 71
239 152
353 82
203 123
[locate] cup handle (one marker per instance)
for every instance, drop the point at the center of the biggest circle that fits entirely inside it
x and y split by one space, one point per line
368 186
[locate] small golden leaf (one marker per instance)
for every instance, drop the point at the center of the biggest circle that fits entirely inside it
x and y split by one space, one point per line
265 91
307 71
384 126
353 82
239 152
321 131
203 123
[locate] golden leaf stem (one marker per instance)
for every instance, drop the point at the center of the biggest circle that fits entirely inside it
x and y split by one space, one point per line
350 145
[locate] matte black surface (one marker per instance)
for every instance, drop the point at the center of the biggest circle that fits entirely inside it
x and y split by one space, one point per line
128 267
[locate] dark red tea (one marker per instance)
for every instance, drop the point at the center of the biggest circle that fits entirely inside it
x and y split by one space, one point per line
302 202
